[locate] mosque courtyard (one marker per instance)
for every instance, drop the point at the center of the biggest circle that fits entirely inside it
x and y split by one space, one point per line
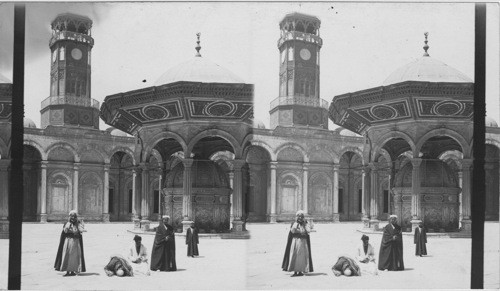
249 264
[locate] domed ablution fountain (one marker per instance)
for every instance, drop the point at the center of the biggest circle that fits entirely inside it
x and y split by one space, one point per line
210 196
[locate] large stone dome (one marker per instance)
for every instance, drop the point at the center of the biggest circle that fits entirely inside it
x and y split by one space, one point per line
27 122
490 122
198 69
426 69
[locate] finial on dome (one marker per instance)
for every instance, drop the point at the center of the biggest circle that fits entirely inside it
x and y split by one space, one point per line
198 47
426 47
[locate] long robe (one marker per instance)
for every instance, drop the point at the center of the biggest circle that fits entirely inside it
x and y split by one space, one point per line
298 243
163 252
118 262
366 261
192 242
391 251
139 260
70 256
344 263
420 239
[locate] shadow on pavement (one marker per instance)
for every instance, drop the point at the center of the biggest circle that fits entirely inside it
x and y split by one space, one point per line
315 274
88 274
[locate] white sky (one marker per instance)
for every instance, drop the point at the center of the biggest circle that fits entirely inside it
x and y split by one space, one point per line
362 43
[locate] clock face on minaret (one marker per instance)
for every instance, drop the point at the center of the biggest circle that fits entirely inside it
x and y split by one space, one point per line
299 46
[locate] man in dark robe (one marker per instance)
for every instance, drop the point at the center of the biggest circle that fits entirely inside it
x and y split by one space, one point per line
420 239
391 247
163 252
192 241
300 220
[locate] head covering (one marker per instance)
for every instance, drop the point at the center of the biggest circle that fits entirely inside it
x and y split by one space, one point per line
137 238
393 215
300 212
165 216
73 212
365 237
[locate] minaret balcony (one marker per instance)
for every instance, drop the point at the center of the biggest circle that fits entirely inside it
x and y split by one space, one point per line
70 100
302 36
299 100
70 35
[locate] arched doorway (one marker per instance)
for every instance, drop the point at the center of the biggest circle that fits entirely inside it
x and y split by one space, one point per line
120 187
350 186
31 176
258 160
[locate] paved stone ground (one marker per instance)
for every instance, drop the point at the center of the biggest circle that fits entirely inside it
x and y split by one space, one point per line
249 264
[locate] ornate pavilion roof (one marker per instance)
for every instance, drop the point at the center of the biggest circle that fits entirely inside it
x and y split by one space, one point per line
194 90
426 89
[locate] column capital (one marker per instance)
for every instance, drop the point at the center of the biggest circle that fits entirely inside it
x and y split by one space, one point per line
305 166
466 163
237 164
187 162
336 167
273 165
44 164
415 162
106 167
373 166
76 166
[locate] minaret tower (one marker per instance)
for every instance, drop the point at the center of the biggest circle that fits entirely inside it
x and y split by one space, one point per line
299 104
70 103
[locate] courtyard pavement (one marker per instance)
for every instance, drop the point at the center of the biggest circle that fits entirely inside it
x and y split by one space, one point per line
249 264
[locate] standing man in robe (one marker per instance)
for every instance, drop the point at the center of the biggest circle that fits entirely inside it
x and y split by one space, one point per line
70 256
420 239
163 253
297 256
391 247
192 241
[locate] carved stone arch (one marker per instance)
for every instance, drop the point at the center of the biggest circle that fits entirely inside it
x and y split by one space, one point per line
380 142
293 146
319 199
465 147
153 141
355 150
290 192
92 156
59 185
257 155
36 145
492 141
123 149
265 146
90 196
218 133
65 146
155 158
321 148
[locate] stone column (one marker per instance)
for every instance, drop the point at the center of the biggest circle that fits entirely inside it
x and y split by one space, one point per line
272 216
415 190
4 198
135 216
365 196
305 186
76 168
145 222
237 196
460 214
186 197
43 192
336 215
231 183
466 185
105 204
374 193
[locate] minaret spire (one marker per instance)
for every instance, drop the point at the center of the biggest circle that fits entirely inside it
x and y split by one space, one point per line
198 47
426 47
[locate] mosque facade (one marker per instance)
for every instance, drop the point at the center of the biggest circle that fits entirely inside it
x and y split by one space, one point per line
189 146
